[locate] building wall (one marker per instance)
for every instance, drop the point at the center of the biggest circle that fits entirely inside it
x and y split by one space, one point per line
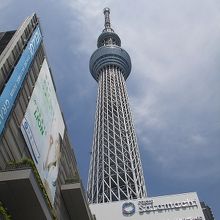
172 207
5 37
207 211
12 144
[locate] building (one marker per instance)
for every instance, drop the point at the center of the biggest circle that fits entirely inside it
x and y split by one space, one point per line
38 172
207 211
116 188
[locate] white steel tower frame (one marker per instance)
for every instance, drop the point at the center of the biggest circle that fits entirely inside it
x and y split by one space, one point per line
115 168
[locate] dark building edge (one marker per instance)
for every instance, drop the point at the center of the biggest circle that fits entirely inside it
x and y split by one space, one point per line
207 211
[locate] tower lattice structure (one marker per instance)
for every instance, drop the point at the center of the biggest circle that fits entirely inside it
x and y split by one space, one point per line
115 168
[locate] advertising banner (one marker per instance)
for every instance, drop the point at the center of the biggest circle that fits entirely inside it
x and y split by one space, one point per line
42 128
14 83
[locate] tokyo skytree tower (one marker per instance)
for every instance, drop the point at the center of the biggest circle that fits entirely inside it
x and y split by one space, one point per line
115 168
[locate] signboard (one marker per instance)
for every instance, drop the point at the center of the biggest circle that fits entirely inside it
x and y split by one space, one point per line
184 206
42 128
14 83
146 206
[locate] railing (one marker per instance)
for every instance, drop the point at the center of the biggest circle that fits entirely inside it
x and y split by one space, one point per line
29 164
74 179
17 166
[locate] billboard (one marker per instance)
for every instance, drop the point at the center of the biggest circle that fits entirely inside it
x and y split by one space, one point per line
16 79
42 128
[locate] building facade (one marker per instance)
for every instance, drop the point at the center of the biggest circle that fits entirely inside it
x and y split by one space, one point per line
38 173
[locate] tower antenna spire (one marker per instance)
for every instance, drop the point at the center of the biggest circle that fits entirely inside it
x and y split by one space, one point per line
106 12
119 166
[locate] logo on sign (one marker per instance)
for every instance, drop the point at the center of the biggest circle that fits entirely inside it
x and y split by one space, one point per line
128 209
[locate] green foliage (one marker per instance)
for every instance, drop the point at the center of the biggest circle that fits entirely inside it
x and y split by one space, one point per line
4 212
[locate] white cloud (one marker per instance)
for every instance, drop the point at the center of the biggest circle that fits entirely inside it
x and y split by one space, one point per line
174 82
87 14
177 77
4 3
197 139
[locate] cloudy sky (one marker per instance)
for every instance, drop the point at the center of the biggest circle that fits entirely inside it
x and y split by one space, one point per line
173 88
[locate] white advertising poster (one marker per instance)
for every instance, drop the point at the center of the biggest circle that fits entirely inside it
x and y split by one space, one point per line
42 127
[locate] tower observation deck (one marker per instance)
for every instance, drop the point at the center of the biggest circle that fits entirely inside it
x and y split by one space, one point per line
115 168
